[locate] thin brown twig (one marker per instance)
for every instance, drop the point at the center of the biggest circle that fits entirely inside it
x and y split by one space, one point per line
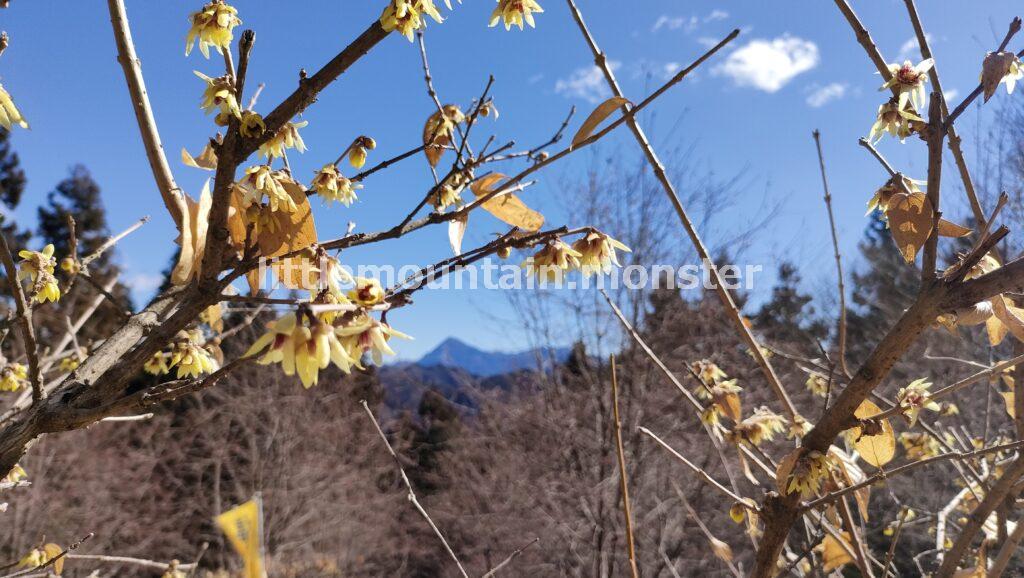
623 478
732 310
132 68
904 512
24 319
697 470
841 338
494 571
412 493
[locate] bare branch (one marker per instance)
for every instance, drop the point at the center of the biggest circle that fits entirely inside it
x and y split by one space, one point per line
623 477
841 329
24 319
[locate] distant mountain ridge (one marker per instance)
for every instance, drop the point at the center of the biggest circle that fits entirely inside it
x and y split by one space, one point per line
453 352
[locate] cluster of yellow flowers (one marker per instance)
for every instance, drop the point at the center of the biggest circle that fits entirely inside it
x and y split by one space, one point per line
817 384
13 377
450 191
407 16
38 266
219 94
188 353
260 181
762 425
213 26
287 137
305 344
332 186
881 198
809 473
592 253
898 122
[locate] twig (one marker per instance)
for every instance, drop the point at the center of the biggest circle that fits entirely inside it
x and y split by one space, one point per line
24 319
557 136
53 560
703 527
652 158
141 562
839 263
256 96
412 493
120 418
904 512
885 164
700 473
88 259
860 548
493 571
143 111
630 544
1006 551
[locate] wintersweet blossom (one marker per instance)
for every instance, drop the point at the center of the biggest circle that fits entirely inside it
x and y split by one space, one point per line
763 425
515 12
302 346
810 471
251 125
260 181
908 82
332 186
897 121
219 94
365 334
213 25
915 397
367 292
286 138
406 16
597 252
553 260
13 377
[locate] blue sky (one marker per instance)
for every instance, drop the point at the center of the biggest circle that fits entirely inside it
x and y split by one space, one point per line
794 68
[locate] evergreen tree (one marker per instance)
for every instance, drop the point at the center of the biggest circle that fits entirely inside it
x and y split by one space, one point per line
12 186
788 317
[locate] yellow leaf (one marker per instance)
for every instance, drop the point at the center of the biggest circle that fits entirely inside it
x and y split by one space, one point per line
1008 399
506 207
52 551
600 113
1012 317
911 219
996 330
437 131
951 229
207 158
293 232
834 553
877 449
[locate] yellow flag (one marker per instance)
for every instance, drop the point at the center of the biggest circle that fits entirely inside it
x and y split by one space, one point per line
242 527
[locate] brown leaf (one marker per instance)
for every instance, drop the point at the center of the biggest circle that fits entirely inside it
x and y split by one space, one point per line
293 232
1008 399
951 229
436 131
730 405
834 553
996 330
1011 317
877 449
207 158
506 207
910 219
195 220
457 230
993 69
785 468
600 113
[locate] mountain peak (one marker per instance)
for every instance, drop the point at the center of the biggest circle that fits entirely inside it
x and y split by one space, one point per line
453 352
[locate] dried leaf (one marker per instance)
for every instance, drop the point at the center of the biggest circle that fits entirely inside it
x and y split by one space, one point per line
784 470
293 232
951 229
993 69
182 271
457 230
52 551
730 405
721 549
207 158
996 330
1011 317
506 207
600 113
236 222
911 219
834 553
878 449
1008 399
435 132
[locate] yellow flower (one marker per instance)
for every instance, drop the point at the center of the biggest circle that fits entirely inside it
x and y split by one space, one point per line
450 192
261 180
515 12
173 571
34 559
16 474
70 265
367 292
157 365
301 348
597 252
331 298
817 384
46 288
9 114
406 16
286 138
808 474
213 25
708 372
1015 73
71 362
915 397
366 334
219 94
897 121
762 425
919 445
334 275
908 80
332 186
251 125
357 152
35 262
553 260
882 196
13 377
192 359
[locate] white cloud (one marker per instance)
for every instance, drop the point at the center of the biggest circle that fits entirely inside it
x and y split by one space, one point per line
587 83
769 65
822 95
144 283
716 15
670 68
687 23
950 94
910 50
